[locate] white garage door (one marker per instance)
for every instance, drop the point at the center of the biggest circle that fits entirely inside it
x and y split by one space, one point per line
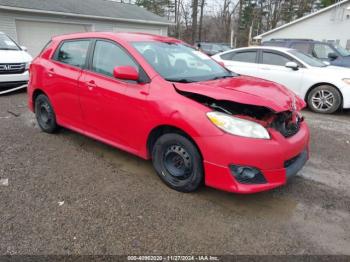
34 35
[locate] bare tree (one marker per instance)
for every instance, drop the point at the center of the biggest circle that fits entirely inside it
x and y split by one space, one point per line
194 20
201 20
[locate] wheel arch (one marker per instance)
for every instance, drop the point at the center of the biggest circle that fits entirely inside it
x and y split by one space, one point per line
166 129
36 93
322 84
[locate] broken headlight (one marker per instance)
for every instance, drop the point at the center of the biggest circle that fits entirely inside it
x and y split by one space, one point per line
238 126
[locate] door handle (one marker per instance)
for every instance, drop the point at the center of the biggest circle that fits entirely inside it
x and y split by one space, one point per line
91 85
51 72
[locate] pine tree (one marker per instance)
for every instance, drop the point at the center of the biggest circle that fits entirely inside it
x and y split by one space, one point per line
158 7
326 3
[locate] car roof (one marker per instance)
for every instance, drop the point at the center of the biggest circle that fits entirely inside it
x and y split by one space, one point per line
129 37
286 40
272 48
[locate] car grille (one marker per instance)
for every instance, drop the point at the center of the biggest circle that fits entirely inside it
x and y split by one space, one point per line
287 123
8 69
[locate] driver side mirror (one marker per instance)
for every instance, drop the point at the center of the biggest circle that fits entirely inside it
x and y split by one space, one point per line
292 65
332 56
126 73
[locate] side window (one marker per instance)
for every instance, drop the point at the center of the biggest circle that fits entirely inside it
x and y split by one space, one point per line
107 56
274 59
73 53
302 47
246 57
227 56
322 51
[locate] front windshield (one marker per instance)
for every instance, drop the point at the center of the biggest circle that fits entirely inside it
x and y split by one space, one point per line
180 63
6 43
311 61
341 50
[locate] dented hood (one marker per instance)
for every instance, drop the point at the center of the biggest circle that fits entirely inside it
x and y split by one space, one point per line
247 90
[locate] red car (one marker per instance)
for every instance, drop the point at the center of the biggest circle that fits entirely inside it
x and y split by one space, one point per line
160 99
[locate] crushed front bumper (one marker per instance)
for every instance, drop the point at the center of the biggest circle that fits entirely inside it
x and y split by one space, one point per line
278 159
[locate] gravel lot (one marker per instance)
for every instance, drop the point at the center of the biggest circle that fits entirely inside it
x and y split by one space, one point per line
68 194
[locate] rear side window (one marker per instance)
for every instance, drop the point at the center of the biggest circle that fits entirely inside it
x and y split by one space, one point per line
274 59
108 55
73 53
227 56
246 57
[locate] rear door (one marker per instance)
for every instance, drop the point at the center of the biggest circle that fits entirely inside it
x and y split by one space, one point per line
60 80
272 67
241 62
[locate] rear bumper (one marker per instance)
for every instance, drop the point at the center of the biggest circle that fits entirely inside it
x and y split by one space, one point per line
278 159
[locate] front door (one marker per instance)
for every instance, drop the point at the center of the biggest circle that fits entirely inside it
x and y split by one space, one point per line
273 68
104 99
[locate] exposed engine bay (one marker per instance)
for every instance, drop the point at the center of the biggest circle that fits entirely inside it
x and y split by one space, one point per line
287 123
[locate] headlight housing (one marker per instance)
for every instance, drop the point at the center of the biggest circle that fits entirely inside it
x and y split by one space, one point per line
347 80
238 126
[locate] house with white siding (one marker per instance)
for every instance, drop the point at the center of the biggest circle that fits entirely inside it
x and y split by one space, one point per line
32 23
331 24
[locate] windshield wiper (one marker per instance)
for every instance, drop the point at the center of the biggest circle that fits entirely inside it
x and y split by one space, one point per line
221 77
182 80
4 48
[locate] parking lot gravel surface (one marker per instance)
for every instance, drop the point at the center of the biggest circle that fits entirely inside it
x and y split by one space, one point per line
68 194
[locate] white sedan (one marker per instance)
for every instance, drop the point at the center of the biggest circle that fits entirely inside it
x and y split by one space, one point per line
325 88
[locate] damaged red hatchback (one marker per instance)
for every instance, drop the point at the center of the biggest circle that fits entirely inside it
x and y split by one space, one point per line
160 99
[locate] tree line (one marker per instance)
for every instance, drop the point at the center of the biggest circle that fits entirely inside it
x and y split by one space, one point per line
228 21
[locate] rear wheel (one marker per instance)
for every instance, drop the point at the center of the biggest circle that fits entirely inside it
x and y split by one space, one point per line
178 162
45 114
324 99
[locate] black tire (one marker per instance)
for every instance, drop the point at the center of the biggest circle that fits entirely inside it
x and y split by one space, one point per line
45 115
178 162
324 99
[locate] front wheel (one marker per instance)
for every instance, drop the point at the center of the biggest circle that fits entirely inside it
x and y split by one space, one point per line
324 99
178 162
45 114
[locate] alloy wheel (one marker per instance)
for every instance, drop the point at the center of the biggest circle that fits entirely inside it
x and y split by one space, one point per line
323 100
